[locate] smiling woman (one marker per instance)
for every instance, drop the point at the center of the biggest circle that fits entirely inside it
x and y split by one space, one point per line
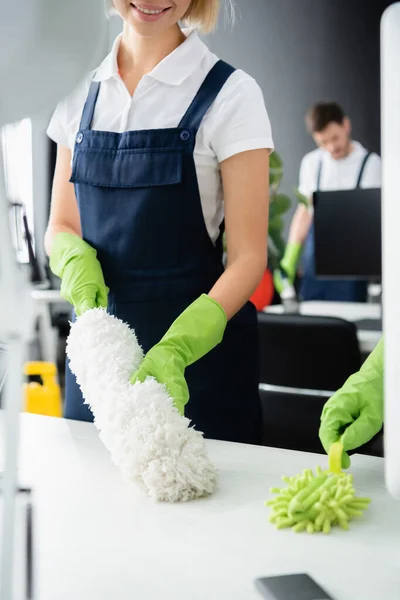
169 146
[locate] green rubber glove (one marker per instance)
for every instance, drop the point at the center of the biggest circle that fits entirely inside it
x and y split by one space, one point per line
195 332
82 281
288 266
355 413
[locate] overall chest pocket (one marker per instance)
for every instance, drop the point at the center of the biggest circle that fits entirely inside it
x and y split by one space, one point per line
134 169
132 207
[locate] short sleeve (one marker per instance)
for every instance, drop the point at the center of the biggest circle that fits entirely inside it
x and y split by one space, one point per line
56 129
66 117
372 177
240 120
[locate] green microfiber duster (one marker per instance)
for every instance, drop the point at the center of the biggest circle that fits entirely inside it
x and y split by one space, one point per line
317 502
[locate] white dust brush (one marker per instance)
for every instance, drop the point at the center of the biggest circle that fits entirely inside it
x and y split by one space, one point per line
148 439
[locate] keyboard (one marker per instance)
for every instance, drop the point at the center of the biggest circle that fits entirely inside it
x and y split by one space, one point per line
369 324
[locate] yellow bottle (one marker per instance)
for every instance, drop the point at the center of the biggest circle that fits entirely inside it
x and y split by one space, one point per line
43 399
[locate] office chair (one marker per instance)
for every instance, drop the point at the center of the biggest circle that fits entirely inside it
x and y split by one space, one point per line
291 420
303 361
309 352
291 417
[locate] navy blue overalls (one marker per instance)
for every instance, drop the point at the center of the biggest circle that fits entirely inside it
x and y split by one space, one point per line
312 288
140 208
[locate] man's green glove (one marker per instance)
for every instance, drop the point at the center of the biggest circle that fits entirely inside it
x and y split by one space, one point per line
82 281
355 413
288 266
195 332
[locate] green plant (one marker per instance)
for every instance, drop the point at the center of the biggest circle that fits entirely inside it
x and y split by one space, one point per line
279 205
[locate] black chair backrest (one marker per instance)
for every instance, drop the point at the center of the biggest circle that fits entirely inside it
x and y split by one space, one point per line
291 419
299 351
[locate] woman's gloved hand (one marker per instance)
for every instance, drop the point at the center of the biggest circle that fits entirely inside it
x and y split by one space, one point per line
82 281
288 267
195 332
355 413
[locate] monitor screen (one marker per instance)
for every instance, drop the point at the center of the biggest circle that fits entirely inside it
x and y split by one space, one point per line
347 234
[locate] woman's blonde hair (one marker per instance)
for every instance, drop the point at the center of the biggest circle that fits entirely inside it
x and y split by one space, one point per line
202 14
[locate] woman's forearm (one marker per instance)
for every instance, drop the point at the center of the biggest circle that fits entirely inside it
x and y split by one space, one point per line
245 178
239 281
64 213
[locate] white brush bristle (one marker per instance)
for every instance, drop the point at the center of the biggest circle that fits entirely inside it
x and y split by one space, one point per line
148 439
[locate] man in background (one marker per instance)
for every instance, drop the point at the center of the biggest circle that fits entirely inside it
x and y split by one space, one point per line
338 163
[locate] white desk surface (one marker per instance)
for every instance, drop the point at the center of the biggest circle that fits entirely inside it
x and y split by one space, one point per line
350 311
101 540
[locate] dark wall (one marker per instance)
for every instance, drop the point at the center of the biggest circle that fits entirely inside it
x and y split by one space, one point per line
301 51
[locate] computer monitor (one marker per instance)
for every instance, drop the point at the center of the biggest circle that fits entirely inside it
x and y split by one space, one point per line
347 234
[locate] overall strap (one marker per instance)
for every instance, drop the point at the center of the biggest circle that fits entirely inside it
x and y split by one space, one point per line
206 95
88 109
364 164
319 176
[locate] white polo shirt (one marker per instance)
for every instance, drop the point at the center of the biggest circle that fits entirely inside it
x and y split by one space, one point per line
236 122
339 174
